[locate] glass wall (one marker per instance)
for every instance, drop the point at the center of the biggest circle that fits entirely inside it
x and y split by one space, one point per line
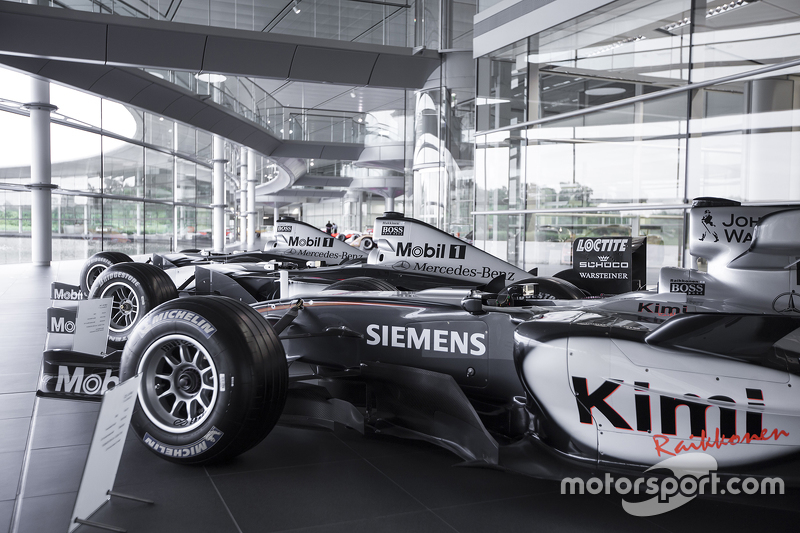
127 180
576 139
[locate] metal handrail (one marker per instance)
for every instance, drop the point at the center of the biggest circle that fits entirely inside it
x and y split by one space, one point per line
643 97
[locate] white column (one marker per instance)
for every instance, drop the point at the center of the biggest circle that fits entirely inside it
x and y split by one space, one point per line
40 185
389 203
252 220
218 222
275 217
243 195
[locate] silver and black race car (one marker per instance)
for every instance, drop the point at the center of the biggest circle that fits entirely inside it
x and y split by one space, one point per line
410 255
497 375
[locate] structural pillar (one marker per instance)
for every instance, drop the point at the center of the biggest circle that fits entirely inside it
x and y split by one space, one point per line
275 216
251 198
389 204
40 185
243 169
218 222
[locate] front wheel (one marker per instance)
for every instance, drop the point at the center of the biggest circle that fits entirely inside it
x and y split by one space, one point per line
95 265
214 379
135 289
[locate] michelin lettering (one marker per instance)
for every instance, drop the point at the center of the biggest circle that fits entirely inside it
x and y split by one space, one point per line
202 325
189 450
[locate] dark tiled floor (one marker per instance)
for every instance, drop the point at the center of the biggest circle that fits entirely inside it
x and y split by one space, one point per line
295 480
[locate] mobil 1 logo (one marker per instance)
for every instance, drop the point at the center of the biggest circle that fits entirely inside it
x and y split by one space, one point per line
61 320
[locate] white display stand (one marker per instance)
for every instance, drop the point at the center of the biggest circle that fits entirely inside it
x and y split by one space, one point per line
105 452
91 326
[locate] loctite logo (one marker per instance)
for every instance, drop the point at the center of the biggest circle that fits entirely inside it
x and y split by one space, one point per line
681 286
284 229
601 245
394 231
439 251
311 242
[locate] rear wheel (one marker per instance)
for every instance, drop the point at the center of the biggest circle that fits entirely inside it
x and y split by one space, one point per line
360 283
95 265
214 379
135 289
367 244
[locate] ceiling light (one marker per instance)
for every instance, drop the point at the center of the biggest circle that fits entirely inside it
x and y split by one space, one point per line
295 7
210 77
491 101
724 8
352 94
312 162
604 91
617 44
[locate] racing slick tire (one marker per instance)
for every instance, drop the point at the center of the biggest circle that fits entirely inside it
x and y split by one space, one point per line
367 244
95 265
135 289
360 283
214 379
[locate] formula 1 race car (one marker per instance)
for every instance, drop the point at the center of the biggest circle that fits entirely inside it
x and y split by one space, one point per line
496 375
410 255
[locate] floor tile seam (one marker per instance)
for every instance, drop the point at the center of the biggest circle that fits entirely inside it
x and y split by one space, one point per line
403 489
345 522
221 499
341 461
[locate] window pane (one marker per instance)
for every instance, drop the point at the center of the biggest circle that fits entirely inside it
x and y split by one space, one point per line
75 219
186 141
123 120
158 131
158 228
204 191
185 181
158 175
76 159
123 165
123 226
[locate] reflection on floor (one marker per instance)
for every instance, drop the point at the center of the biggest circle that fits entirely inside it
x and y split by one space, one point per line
296 479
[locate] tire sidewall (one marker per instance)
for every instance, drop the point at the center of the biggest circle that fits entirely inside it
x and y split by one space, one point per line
90 264
220 428
144 299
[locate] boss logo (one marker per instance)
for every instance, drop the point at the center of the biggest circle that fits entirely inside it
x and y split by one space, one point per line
687 287
284 229
396 231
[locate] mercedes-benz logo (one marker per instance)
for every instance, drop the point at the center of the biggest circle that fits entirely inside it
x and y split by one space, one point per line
791 304
401 265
